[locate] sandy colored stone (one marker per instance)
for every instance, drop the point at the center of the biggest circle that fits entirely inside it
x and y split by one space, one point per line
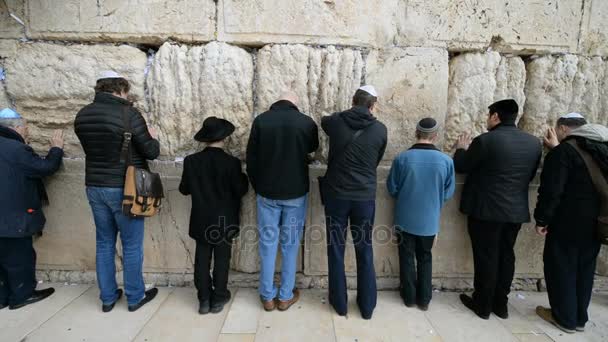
9 27
594 30
518 25
50 83
476 81
325 79
142 21
350 22
558 85
411 85
187 84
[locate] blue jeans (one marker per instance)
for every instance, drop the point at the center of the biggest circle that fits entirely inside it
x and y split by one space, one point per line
279 221
106 204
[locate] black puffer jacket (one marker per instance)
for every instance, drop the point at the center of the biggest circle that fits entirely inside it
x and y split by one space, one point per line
100 128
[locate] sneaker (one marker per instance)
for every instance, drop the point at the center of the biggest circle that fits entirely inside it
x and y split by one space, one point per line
547 315
269 305
37 296
150 294
109 307
204 307
286 304
468 302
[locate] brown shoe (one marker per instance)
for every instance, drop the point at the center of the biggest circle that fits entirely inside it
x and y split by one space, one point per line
269 305
547 315
284 305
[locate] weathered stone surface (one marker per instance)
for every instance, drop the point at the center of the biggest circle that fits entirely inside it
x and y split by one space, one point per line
594 30
519 25
50 83
411 85
476 81
325 79
187 84
141 21
9 27
350 22
562 84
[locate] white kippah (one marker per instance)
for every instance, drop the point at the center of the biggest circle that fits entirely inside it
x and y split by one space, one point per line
109 74
572 116
8 113
370 90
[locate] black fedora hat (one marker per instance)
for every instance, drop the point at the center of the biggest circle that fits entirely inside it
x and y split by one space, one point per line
214 129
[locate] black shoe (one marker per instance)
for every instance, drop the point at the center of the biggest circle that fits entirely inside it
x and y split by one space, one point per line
423 307
204 307
2 306
502 313
150 294
468 302
37 296
109 307
367 316
217 307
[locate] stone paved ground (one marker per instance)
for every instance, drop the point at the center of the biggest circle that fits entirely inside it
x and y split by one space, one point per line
73 314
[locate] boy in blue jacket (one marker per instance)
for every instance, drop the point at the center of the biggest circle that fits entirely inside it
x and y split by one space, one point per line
421 180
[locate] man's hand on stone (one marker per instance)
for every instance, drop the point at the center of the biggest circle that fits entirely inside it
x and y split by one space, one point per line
542 231
153 132
463 141
57 139
550 139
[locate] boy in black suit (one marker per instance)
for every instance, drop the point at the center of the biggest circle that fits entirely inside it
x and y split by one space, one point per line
216 183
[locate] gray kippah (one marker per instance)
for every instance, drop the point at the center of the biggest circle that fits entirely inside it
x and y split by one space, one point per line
427 125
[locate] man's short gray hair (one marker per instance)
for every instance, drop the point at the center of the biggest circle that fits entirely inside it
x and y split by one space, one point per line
12 123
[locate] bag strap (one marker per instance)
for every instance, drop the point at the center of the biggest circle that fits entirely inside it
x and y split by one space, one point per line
354 137
125 152
599 181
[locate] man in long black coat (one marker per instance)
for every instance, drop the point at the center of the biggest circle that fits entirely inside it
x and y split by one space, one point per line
21 200
566 213
500 165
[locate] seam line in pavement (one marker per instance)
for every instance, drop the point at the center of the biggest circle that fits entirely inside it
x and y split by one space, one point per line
152 315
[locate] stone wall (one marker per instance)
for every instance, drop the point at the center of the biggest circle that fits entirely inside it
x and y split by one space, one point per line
188 60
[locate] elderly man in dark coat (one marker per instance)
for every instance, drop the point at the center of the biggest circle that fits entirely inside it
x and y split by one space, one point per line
499 165
21 216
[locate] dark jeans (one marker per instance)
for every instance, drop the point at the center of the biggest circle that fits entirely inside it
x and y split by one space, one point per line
361 215
212 288
17 270
415 268
494 261
569 273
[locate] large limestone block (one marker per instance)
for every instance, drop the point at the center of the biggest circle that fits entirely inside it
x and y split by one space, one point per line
518 25
560 84
412 84
50 83
325 79
594 30
476 81
9 27
187 84
140 21
350 22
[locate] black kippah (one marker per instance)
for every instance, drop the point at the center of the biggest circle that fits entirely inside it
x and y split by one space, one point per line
427 125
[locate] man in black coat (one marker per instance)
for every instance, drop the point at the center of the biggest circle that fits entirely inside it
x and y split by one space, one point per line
566 213
101 126
500 165
357 141
277 165
216 183
21 200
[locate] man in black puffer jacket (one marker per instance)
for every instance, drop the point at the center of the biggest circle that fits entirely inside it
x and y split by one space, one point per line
566 214
100 128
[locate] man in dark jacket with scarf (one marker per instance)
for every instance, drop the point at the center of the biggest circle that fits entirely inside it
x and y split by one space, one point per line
21 216
566 214
357 141
499 165
100 126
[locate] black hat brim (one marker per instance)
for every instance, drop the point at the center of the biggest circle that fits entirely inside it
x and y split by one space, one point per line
225 130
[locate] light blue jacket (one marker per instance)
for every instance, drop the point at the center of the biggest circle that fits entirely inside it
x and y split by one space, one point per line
421 180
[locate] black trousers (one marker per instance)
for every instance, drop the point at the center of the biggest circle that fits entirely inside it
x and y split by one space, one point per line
569 273
360 214
214 288
415 268
17 270
494 260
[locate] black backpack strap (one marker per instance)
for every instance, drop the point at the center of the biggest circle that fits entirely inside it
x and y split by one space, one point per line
125 152
353 138
598 179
